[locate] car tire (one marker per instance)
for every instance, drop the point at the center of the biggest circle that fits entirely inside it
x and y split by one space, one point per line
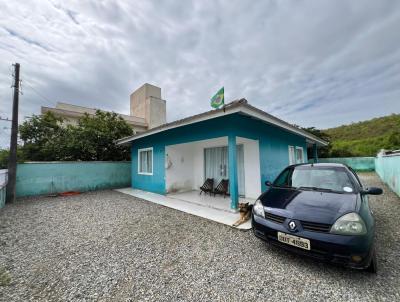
373 265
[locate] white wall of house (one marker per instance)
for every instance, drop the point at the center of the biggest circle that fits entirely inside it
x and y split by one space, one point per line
186 171
179 168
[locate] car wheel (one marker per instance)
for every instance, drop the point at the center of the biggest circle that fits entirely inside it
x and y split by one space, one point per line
373 266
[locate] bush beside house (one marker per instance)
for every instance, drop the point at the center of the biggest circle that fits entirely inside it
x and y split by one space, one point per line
45 138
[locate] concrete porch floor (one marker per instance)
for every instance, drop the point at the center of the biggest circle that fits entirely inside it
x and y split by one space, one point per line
213 208
218 202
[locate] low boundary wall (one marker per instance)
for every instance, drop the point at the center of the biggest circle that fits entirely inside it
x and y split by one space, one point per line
40 178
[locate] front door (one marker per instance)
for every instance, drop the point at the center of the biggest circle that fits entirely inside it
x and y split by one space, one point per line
216 165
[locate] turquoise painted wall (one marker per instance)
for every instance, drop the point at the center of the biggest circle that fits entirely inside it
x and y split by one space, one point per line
273 144
2 195
357 163
388 169
3 184
47 177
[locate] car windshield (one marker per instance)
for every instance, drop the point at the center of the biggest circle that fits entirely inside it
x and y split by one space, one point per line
316 178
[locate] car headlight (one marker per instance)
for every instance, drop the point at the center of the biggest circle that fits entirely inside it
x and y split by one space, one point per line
258 209
349 224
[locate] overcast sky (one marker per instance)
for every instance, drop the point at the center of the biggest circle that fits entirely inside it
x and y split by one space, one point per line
312 63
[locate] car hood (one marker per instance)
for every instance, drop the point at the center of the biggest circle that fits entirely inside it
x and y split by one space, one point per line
313 206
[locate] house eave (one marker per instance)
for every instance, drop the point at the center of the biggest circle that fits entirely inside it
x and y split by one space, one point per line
240 106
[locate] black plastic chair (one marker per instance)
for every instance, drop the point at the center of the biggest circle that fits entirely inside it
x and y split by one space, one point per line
207 186
222 188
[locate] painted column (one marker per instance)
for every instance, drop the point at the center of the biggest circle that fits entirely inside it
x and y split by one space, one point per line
315 153
233 177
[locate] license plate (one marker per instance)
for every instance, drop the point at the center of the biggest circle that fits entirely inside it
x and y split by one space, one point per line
294 240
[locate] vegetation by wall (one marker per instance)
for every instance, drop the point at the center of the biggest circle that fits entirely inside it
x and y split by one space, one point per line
43 178
357 163
388 169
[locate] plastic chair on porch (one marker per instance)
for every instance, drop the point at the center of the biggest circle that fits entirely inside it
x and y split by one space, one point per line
207 186
222 188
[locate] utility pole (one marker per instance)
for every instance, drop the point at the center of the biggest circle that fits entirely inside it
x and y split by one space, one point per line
12 161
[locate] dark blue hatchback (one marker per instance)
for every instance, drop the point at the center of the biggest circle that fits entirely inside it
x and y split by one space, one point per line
321 211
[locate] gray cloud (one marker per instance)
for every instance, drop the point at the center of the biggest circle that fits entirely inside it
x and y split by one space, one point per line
313 63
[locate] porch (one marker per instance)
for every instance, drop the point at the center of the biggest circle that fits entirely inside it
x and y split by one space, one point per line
235 159
209 207
215 202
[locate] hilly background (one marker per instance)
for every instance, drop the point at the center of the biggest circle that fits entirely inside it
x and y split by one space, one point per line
364 138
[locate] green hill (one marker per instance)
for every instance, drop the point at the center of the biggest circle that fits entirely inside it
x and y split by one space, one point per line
365 138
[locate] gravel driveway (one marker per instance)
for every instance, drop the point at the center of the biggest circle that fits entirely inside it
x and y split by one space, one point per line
109 246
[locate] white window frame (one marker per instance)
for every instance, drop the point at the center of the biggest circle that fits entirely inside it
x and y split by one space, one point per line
302 155
292 161
152 161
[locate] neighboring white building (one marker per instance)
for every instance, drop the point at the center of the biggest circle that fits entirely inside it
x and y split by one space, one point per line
148 109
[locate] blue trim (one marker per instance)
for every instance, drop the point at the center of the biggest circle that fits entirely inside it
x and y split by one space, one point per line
233 177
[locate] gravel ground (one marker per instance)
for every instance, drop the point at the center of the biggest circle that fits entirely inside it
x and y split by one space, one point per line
109 246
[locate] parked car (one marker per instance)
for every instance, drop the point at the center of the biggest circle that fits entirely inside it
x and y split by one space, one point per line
321 211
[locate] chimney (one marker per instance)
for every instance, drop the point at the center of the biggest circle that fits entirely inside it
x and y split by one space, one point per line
146 103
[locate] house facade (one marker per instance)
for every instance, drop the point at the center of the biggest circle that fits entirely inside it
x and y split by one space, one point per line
239 142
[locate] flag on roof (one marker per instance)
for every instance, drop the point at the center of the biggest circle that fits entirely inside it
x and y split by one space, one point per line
218 99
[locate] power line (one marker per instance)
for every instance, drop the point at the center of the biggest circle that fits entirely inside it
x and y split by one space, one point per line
37 92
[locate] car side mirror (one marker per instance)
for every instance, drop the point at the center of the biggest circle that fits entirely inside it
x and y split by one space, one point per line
372 191
268 183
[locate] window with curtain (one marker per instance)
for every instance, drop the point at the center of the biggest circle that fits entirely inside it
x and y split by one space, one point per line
299 155
292 159
296 155
145 161
216 165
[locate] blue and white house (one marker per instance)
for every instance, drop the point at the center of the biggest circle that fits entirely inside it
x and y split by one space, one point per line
237 142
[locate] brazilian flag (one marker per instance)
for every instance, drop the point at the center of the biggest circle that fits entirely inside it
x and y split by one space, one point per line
218 99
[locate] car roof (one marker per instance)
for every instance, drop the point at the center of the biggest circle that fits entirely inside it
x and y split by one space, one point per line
327 165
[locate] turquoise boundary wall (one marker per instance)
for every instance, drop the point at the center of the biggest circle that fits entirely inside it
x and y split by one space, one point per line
357 163
388 169
41 178
3 185
2 195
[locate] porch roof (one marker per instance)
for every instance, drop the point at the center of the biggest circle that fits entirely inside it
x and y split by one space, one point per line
238 106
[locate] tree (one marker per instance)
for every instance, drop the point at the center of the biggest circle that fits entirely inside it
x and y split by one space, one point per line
45 138
4 155
393 141
4 158
94 137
